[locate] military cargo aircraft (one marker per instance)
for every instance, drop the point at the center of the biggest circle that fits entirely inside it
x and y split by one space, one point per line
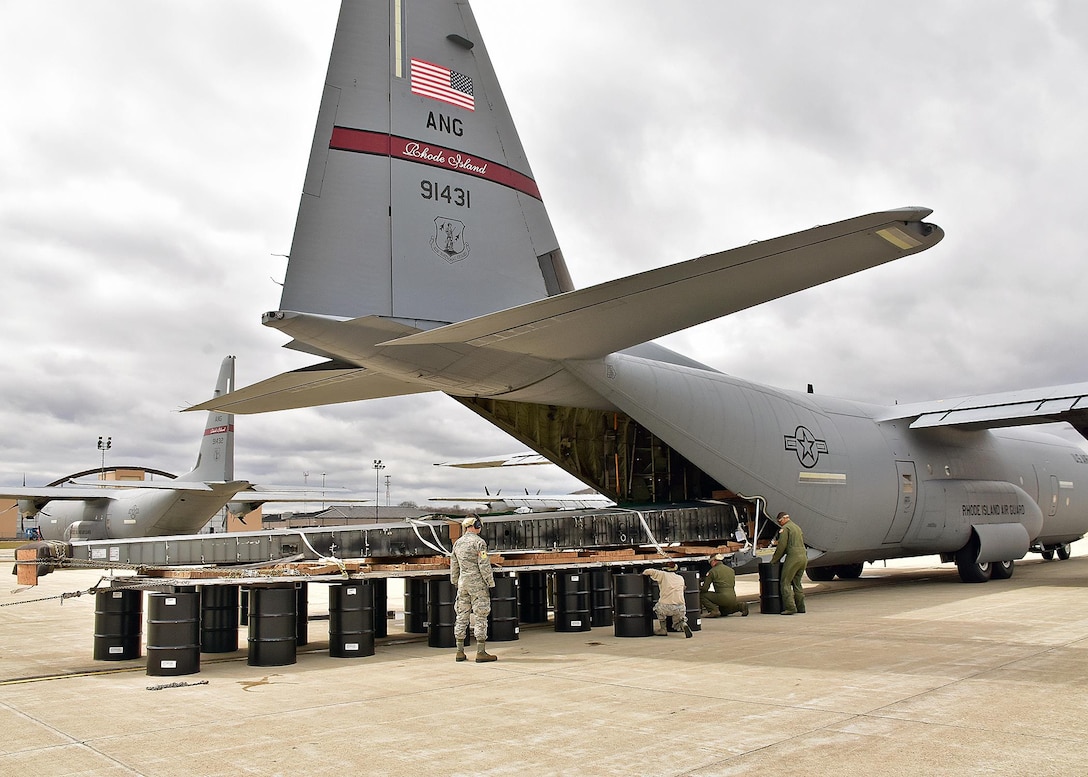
424 260
104 509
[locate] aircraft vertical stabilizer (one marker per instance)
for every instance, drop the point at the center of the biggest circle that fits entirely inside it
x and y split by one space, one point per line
215 462
418 202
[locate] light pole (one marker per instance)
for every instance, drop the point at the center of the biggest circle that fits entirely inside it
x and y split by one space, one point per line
387 490
322 491
378 467
104 445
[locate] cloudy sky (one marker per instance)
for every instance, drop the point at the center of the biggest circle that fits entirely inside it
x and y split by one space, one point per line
152 154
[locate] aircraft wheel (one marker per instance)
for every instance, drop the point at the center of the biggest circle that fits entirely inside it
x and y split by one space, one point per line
820 574
970 568
850 571
1048 555
1064 551
1001 570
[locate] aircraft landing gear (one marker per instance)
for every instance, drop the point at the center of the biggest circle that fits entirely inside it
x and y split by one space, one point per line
970 568
1063 551
1001 570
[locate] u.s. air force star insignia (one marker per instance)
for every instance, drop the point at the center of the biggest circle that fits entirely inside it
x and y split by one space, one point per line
806 446
449 239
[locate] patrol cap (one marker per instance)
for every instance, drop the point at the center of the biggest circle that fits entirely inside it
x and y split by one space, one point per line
670 567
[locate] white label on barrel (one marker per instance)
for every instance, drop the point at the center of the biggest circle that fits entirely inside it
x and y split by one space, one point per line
517 629
351 646
574 578
352 591
117 649
115 554
168 665
117 594
575 623
96 553
169 601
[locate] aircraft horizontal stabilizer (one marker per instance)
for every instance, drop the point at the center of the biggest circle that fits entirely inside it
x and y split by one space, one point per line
1067 403
319 384
164 485
595 321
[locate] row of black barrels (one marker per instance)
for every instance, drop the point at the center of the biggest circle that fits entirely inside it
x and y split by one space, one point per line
184 623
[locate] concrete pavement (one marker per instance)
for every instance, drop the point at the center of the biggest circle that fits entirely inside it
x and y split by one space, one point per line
903 672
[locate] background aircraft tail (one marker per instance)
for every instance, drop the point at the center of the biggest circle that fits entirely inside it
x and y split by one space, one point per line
215 462
418 203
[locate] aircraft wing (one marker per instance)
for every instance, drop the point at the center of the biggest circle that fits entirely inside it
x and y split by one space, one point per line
1067 403
513 460
595 321
164 485
327 383
44 494
263 494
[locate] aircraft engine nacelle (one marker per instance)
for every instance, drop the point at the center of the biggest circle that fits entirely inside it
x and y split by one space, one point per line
242 509
28 508
1002 515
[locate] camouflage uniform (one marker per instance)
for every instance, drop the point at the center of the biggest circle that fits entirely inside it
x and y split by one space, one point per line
791 543
671 599
724 598
470 571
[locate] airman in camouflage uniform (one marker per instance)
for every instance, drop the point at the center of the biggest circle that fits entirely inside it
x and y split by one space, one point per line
791 544
670 602
470 572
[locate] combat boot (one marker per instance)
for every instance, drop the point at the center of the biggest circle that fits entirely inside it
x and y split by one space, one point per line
744 609
482 656
687 630
461 651
660 630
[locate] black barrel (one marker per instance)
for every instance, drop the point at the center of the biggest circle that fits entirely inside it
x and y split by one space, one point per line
381 605
441 616
118 624
572 601
533 597
770 588
351 619
502 622
302 614
218 618
691 598
173 633
634 606
415 605
600 597
272 625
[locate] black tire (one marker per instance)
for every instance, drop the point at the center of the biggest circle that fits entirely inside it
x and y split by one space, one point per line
1064 551
970 568
1002 570
821 574
850 571
1048 555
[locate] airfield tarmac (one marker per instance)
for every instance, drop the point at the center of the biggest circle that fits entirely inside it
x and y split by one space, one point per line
903 672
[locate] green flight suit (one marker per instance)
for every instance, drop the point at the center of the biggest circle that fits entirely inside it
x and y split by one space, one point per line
791 544
724 580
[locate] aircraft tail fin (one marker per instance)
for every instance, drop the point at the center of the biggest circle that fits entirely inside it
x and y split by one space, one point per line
215 462
418 203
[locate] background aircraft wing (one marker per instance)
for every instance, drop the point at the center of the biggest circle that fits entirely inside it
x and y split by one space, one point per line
513 460
1067 403
263 494
44 494
608 317
319 384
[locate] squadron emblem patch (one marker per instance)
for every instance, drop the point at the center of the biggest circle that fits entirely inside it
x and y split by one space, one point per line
449 239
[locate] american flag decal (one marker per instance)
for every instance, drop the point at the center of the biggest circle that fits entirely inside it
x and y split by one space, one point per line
441 83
